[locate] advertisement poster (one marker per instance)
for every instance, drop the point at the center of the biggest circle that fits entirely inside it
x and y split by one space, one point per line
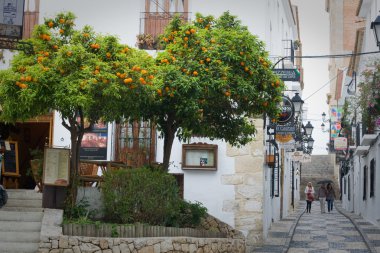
94 143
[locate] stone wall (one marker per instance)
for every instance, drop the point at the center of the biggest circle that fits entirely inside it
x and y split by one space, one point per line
75 244
247 207
213 224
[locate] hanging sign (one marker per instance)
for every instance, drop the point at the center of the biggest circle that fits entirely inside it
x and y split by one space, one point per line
340 143
297 156
286 111
288 74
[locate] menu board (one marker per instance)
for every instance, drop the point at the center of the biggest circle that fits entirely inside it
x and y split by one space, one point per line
10 165
57 166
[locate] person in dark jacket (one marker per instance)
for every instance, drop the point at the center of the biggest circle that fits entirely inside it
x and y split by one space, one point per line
330 196
322 197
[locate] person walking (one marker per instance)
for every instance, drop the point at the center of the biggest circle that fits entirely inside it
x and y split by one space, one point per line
309 191
322 197
330 196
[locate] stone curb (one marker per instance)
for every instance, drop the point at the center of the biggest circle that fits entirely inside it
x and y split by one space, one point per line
361 232
291 231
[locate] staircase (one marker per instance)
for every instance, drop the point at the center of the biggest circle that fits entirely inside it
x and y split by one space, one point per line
20 222
321 167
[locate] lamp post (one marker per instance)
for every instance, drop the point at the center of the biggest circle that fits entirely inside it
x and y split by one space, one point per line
324 120
375 25
297 103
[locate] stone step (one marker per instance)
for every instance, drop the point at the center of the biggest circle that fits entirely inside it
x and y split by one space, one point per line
35 203
17 236
29 226
11 215
22 209
17 247
23 194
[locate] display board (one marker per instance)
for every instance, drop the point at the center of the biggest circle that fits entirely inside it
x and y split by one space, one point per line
57 166
10 165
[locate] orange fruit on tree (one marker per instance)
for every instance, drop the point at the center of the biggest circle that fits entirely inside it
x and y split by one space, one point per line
227 93
141 79
208 59
195 73
241 53
61 31
144 72
187 32
108 55
128 80
151 77
28 78
69 53
265 104
51 24
242 63
61 20
192 30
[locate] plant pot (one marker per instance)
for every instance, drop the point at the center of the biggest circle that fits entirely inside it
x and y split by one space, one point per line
269 160
36 166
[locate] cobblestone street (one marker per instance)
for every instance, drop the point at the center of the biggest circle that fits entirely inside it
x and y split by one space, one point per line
318 232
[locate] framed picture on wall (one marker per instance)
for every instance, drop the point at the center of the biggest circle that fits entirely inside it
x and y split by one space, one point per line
199 156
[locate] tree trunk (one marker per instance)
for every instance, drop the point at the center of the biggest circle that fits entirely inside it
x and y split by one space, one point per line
76 139
169 134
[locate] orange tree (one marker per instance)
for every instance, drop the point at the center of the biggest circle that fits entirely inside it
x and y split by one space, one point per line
213 77
80 74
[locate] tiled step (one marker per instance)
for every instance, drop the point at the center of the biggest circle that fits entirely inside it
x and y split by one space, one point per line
15 247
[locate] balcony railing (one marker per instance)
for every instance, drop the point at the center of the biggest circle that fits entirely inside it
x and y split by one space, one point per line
152 24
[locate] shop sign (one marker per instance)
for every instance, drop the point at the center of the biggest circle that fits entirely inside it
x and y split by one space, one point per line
286 129
306 158
340 143
286 111
297 156
284 138
288 74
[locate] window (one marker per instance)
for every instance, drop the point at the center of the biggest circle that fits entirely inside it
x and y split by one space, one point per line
199 156
365 180
372 178
135 143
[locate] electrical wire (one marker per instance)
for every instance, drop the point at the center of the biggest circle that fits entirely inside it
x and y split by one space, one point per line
328 82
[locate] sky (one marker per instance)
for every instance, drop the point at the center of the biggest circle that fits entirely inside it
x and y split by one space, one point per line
314 33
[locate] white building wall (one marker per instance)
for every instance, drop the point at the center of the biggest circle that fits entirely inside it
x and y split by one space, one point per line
204 186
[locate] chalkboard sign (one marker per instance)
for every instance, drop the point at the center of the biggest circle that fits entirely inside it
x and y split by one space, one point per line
10 158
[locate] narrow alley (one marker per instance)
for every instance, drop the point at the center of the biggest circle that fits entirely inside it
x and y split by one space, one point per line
337 231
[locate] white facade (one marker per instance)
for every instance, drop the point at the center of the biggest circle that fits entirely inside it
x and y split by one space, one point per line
356 195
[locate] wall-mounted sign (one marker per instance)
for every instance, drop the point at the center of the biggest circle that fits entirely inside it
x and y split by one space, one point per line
94 143
11 18
286 111
340 143
288 74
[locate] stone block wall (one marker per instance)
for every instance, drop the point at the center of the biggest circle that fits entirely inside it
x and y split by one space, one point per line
76 244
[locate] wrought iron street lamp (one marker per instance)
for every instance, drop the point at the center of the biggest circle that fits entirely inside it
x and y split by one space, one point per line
309 128
375 25
297 103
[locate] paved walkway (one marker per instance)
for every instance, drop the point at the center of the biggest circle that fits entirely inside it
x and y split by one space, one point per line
317 232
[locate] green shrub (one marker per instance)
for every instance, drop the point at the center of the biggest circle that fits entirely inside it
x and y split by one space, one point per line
147 196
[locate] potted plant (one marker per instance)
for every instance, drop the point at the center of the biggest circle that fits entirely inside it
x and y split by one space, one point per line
146 41
36 164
